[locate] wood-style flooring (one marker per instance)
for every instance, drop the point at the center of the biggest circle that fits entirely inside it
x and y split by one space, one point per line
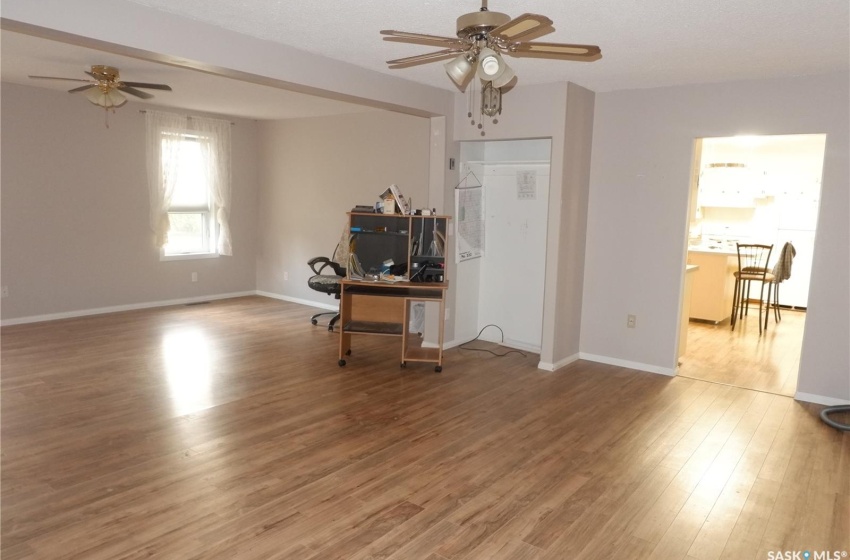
768 362
227 430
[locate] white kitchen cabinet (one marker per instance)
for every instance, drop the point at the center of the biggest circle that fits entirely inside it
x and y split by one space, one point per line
726 198
729 187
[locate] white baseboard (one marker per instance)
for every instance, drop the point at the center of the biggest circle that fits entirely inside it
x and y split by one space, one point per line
516 344
452 344
819 399
549 366
670 372
328 306
118 308
508 344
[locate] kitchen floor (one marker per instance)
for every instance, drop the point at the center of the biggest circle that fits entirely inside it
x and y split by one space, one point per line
742 358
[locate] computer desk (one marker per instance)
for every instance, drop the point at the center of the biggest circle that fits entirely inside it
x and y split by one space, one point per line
383 309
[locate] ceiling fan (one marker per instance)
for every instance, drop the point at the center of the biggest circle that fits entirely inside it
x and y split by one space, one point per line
105 88
482 37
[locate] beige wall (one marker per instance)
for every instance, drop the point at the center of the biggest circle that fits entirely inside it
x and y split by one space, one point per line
636 247
75 233
578 129
313 171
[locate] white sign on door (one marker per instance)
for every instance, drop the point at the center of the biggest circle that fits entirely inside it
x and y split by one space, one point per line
526 185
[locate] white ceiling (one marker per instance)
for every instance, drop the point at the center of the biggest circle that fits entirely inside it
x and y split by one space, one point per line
24 55
645 44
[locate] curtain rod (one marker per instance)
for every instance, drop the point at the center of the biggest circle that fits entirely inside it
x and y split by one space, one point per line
188 117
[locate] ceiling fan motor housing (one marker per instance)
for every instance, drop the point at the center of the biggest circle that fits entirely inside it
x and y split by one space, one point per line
105 73
479 23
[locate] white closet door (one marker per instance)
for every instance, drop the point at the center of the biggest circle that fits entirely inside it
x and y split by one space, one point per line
514 262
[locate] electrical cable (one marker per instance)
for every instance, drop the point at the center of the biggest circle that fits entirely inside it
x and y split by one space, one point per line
462 346
824 415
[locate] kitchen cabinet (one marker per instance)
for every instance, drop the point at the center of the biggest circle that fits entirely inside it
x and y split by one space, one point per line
729 187
713 284
726 198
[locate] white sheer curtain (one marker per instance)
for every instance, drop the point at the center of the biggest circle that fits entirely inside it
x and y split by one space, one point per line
164 132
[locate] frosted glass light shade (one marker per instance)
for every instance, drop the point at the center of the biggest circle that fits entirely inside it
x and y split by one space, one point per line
107 99
491 68
460 70
506 76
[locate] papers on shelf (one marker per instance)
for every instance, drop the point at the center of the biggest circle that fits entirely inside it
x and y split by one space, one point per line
402 203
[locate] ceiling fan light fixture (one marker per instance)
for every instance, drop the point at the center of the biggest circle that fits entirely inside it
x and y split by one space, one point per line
460 69
506 76
107 99
490 64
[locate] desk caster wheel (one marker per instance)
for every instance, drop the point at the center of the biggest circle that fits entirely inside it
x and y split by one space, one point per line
330 328
438 369
314 321
403 365
341 363
348 352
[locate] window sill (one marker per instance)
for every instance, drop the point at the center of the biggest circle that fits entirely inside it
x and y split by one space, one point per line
188 256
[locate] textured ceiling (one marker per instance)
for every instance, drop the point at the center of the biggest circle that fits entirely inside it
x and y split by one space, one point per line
24 55
644 44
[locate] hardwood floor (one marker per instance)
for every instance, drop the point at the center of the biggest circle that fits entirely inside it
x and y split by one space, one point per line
227 430
742 357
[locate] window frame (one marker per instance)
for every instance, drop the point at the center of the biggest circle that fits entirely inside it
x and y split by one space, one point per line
207 212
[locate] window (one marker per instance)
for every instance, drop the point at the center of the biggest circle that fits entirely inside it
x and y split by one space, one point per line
190 216
189 185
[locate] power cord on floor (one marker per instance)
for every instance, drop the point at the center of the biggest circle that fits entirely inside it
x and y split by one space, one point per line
462 346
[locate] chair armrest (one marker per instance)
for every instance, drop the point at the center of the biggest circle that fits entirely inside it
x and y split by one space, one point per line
325 262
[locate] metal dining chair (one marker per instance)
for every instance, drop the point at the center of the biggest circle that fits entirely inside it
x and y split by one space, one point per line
752 267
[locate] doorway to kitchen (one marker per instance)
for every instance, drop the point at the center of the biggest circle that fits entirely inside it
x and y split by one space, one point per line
749 189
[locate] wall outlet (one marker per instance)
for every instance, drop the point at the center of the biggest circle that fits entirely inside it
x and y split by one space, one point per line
4 291
285 276
194 277
630 321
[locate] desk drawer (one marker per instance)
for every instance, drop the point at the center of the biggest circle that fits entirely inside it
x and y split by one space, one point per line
377 309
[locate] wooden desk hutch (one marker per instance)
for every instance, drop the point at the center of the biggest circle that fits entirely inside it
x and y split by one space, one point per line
370 307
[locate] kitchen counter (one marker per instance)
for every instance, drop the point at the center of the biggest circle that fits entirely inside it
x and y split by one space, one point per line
714 249
686 309
714 283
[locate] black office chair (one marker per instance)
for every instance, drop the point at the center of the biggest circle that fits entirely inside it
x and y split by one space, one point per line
326 283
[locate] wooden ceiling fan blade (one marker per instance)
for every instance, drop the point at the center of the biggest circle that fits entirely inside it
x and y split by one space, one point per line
147 86
420 38
133 91
563 51
81 88
523 27
55 78
423 58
